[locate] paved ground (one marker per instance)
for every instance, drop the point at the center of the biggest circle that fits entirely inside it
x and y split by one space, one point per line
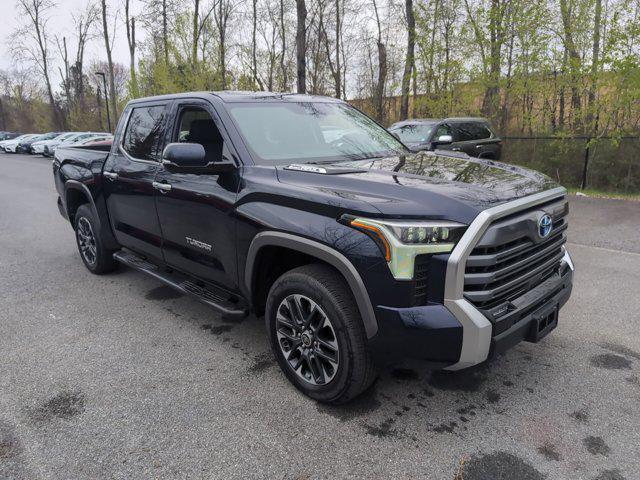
118 377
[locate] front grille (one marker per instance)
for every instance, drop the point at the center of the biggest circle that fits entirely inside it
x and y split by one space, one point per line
510 259
420 273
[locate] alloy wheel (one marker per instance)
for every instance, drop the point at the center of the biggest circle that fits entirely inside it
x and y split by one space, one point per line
307 339
86 240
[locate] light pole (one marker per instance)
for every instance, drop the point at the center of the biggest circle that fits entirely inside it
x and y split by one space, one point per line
106 98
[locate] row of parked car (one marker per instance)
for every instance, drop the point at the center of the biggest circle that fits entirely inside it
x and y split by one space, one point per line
46 143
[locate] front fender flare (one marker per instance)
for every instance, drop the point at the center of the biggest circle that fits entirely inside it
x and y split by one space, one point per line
324 253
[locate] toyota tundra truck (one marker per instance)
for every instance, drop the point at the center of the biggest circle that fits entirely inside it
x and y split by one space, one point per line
301 208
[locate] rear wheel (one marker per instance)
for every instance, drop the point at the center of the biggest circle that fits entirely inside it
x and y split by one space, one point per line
94 255
317 334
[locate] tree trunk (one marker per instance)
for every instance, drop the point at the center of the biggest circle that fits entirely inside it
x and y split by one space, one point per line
254 55
432 46
409 63
301 45
130 24
283 49
107 43
594 68
66 82
196 32
573 60
492 92
222 52
378 100
84 25
338 76
165 33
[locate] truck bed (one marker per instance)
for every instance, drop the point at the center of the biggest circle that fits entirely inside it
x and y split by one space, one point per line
83 155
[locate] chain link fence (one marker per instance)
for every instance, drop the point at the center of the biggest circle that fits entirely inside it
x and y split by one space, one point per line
612 164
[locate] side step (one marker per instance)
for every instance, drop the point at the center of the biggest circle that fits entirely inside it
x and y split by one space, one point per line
224 302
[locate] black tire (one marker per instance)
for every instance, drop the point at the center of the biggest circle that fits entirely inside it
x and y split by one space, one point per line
323 285
100 260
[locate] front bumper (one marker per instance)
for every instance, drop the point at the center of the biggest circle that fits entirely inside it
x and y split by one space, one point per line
457 335
435 334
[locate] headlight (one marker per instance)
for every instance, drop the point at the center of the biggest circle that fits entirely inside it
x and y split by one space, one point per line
402 241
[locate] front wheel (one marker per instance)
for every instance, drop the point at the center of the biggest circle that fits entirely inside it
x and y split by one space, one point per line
317 334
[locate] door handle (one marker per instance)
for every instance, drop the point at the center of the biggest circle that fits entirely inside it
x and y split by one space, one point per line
110 175
163 187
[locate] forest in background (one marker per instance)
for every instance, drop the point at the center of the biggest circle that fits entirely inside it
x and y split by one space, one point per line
559 69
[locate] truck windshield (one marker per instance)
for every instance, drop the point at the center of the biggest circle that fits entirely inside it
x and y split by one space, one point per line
279 133
413 132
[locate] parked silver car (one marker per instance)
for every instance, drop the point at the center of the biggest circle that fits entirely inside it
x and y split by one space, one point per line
50 149
38 147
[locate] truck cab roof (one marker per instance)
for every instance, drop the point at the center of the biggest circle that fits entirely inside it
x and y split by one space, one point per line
236 96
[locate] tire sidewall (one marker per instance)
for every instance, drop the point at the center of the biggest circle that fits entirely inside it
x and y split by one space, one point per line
98 266
296 283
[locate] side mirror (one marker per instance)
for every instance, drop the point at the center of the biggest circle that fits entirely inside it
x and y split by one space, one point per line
184 155
190 158
443 140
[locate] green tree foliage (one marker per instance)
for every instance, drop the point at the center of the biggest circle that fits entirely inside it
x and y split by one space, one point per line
562 68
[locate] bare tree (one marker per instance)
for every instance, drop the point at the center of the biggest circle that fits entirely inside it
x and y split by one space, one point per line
83 25
409 64
283 49
200 24
334 63
301 45
64 73
130 24
31 43
109 48
573 55
165 33
378 99
196 31
592 118
222 15
254 45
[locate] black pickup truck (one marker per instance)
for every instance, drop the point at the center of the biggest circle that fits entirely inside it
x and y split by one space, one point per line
304 210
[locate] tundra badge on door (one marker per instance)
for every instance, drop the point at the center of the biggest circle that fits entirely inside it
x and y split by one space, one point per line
197 243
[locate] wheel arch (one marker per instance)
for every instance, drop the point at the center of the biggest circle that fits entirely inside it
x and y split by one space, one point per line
316 250
77 194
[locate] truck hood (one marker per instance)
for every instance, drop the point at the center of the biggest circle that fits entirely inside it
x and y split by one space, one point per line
423 185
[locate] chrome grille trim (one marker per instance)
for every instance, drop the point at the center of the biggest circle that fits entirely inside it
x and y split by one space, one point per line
476 337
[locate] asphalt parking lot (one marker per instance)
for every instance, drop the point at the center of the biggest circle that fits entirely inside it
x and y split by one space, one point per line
119 377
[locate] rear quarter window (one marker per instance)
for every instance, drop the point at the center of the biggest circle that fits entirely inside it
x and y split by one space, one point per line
472 131
144 132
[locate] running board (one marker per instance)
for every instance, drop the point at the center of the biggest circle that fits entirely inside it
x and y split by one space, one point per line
224 302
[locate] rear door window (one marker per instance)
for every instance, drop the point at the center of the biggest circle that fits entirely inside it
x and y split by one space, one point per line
142 138
468 131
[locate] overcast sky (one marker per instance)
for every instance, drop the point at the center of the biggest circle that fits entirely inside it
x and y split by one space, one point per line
61 24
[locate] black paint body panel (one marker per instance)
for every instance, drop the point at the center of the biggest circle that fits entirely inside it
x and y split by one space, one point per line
227 211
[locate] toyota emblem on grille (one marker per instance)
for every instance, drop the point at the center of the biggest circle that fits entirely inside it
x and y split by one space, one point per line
545 224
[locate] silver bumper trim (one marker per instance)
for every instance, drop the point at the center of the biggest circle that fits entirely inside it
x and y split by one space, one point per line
476 329
568 260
